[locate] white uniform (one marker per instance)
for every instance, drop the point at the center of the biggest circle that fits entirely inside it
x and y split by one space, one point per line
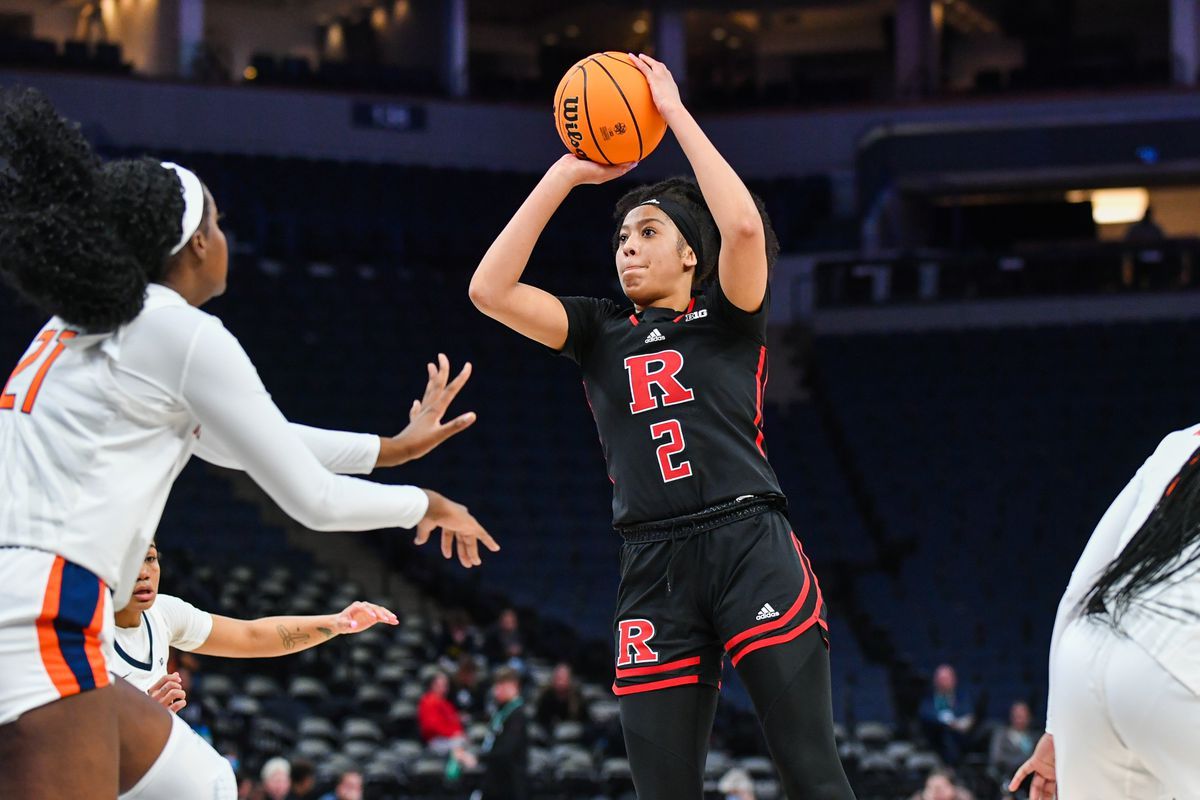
1124 707
142 651
95 428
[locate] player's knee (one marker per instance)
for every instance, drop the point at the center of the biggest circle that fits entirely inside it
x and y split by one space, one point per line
187 769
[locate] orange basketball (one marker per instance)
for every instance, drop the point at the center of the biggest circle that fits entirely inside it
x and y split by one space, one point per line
603 110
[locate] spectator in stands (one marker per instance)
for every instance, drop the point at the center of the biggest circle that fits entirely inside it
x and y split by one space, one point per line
248 789
946 715
1145 230
439 723
737 785
304 780
465 691
459 637
940 785
276 778
505 645
506 750
349 787
1012 744
561 701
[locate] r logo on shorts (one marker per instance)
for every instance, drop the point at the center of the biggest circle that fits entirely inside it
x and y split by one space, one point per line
632 647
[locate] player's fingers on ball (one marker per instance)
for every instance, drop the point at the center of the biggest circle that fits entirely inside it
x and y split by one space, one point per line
641 65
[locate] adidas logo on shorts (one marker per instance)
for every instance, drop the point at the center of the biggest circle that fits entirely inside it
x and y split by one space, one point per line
655 336
766 612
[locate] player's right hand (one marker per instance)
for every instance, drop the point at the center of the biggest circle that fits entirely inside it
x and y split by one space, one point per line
1041 766
458 528
169 692
578 171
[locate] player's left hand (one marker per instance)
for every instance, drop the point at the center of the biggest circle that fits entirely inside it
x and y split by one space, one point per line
663 88
360 615
425 429
1041 766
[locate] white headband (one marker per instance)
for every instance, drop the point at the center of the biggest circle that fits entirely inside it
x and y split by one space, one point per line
193 203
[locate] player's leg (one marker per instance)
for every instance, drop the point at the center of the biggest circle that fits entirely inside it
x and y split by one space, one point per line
771 616
790 686
162 758
58 724
64 750
1091 760
1155 716
666 737
668 666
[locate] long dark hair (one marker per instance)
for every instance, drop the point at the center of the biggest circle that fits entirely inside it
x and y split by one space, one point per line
687 193
1155 554
79 239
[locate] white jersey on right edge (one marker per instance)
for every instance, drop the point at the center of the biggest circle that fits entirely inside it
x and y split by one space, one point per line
142 651
94 429
1164 620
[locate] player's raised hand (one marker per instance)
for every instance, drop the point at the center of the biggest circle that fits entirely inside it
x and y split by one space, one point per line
578 171
1041 766
458 527
168 691
360 615
425 429
663 88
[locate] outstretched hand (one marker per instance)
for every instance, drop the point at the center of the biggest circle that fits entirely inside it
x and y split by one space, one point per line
458 528
1041 766
663 88
425 429
360 615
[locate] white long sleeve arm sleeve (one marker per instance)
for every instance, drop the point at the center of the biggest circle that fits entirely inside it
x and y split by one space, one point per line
1101 549
223 390
338 451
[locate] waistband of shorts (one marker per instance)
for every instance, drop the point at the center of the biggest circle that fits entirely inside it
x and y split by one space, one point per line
702 521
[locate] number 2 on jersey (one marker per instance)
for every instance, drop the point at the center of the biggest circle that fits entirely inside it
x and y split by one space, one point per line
673 432
7 400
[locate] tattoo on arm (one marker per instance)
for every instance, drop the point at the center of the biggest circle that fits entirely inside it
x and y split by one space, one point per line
328 633
289 638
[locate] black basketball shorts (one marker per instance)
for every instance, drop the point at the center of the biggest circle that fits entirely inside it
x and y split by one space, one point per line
686 603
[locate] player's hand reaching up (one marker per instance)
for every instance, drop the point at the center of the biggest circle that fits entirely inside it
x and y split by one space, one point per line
663 88
425 429
360 615
1041 766
458 526
168 691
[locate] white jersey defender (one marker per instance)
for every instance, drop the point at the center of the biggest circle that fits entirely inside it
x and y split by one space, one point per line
143 651
94 429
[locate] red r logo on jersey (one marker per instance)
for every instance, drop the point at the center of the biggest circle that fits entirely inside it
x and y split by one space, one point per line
632 647
656 369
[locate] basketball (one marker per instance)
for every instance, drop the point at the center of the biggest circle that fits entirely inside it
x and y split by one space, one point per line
603 110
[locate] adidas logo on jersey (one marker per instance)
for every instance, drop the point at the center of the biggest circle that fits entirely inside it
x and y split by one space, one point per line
766 612
655 336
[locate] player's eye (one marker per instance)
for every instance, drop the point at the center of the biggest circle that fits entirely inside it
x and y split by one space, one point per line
648 231
622 237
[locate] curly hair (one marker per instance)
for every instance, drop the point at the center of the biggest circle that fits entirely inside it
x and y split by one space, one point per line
687 193
79 239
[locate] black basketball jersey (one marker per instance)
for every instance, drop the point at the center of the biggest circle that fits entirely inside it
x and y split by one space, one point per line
678 401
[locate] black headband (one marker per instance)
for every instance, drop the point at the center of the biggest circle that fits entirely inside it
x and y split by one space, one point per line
683 221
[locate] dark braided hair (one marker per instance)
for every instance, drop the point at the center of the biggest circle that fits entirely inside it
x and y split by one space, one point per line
1155 553
687 193
79 239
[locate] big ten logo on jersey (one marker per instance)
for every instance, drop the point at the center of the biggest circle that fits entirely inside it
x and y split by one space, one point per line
633 637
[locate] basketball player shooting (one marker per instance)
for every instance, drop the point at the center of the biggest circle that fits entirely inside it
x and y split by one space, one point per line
710 567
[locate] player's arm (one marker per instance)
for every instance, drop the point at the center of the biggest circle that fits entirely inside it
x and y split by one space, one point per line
742 264
496 288
221 387
359 453
280 636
